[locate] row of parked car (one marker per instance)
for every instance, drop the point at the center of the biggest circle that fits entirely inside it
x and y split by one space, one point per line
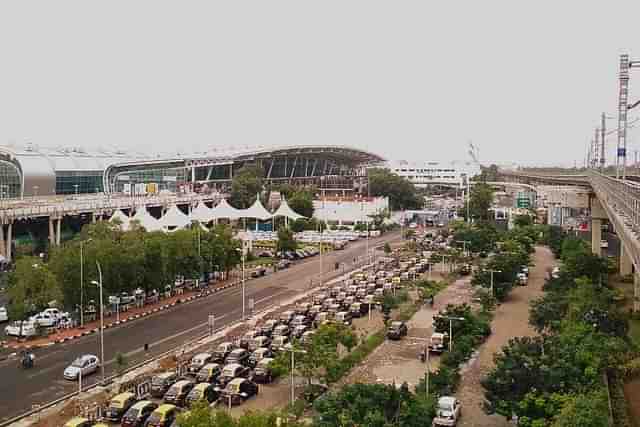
230 373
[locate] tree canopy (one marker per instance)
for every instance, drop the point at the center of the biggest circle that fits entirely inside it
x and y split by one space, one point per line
245 185
401 193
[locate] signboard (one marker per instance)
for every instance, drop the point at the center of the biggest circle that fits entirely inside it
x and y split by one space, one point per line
523 202
622 152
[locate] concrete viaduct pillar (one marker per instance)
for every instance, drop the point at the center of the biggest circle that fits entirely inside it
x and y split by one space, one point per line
597 215
626 263
5 240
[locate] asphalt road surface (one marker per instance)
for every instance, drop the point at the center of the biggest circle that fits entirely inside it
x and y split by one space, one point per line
21 389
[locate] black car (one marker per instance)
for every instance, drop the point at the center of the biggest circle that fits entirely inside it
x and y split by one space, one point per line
237 391
258 355
202 391
229 372
262 372
239 356
209 373
160 383
178 392
397 330
222 351
267 328
138 413
248 337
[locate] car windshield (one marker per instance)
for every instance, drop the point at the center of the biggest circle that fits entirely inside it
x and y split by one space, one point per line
154 418
131 414
78 362
157 381
445 406
228 372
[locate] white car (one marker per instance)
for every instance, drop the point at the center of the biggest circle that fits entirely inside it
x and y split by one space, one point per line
86 364
4 316
45 320
604 244
27 329
448 412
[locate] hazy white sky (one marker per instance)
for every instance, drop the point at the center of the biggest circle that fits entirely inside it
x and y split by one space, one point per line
526 81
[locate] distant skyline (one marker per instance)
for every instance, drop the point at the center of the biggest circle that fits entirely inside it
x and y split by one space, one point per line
411 80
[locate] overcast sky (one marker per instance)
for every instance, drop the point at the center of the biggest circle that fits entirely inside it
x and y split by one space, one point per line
525 81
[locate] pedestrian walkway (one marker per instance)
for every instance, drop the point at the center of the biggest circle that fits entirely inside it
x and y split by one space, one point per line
511 320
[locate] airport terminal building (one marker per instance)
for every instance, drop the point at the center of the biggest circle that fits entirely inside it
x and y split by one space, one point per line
33 171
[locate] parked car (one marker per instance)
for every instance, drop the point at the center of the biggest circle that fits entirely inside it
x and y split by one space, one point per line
300 320
343 317
303 308
262 373
358 309
258 355
261 341
4 315
299 330
239 356
21 328
248 337
281 330
83 365
437 342
279 341
160 383
222 351
118 405
178 392
286 317
202 391
234 370
209 373
198 361
267 327
163 416
397 330
237 391
448 412
78 422
258 272
138 413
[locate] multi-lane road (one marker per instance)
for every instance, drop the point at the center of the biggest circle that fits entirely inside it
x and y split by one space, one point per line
21 389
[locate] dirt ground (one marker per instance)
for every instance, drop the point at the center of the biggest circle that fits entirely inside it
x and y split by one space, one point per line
511 320
397 361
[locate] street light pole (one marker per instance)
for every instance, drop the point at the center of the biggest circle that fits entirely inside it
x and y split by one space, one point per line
293 386
99 284
450 319
493 271
464 245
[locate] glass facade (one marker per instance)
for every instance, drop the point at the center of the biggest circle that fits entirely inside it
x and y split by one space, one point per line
165 178
10 180
78 182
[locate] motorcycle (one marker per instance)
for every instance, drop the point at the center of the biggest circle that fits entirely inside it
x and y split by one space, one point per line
27 361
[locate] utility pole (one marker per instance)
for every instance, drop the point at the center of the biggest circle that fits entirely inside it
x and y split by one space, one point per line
493 271
603 126
623 108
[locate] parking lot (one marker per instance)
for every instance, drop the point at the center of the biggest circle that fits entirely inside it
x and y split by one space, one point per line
232 366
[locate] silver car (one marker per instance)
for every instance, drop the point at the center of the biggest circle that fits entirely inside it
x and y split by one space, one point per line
86 364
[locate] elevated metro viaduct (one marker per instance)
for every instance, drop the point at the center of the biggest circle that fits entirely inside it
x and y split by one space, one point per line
615 200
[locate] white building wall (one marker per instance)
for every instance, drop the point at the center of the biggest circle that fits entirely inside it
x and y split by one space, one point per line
425 173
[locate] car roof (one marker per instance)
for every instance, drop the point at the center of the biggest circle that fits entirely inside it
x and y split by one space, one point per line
447 400
396 323
211 365
181 383
238 350
167 374
201 386
164 408
142 404
237 381
202 355
233 365
123 396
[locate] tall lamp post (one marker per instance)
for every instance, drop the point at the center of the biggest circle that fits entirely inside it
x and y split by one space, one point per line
293 351
243 253
464 245
493 271
450 319
99 285
82 242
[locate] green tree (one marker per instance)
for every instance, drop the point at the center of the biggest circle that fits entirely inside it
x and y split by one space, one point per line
584 410
373 405
480 201
387 248
286 242
246 184
302 203
523 220
32 287
401 193
321 357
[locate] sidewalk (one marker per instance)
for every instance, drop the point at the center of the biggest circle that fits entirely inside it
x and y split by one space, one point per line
64 335
511 320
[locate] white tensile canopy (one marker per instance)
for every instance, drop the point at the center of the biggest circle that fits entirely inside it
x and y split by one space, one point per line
256 211
174 218
285 210
146 220
201 213
124 219
226 211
